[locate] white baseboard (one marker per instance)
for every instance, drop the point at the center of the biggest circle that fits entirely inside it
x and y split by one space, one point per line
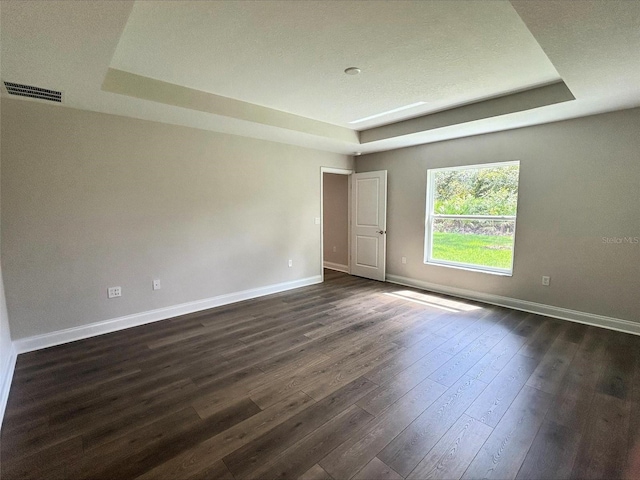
5 378
59 337
611 323
336 266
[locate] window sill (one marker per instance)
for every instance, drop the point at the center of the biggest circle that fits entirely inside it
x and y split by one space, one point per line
469 268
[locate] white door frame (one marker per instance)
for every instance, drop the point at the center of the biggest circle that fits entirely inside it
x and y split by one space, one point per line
339 171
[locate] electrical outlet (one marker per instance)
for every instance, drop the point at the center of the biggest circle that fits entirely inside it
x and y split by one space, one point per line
334 248
316 220
113 292
404 260
290 263
545 281
157 285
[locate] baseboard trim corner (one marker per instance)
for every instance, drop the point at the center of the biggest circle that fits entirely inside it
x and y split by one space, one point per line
611 323
338 267
7 377
38 342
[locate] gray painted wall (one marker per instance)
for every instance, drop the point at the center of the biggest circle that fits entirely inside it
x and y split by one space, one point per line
5 333
92 200
579 182
336 218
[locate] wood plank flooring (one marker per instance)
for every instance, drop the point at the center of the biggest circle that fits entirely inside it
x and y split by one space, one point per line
348 379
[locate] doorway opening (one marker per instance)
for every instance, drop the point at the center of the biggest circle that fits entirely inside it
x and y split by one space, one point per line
366 226
335 216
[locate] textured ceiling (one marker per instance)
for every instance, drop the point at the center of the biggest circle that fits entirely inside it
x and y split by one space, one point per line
290 57
594 45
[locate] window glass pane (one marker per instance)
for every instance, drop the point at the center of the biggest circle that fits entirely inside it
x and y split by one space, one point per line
477 191
487 243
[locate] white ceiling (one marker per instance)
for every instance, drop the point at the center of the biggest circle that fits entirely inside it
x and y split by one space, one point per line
290 56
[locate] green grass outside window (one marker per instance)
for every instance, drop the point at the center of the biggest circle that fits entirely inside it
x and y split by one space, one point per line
487 250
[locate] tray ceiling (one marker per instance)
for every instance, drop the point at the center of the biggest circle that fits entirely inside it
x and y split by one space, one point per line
275 70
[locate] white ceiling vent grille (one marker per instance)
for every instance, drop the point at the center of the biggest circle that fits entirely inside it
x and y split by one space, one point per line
33 92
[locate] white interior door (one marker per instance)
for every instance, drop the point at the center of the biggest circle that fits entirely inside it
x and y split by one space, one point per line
369 224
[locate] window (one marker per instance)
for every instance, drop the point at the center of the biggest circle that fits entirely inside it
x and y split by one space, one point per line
471 216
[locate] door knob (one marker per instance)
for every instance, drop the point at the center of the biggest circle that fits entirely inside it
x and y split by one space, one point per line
382 232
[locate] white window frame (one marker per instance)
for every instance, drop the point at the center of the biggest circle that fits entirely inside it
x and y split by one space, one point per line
430 217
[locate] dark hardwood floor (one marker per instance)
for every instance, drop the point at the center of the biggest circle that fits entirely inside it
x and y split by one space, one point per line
348 379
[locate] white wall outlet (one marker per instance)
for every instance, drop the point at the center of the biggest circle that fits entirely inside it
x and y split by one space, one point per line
316 220
290 263
113 292
157 285
335 249
545 281
404 260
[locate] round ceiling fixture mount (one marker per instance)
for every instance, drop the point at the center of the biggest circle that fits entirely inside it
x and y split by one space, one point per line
352 71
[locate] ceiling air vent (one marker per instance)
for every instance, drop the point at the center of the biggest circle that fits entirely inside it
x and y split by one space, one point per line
33 92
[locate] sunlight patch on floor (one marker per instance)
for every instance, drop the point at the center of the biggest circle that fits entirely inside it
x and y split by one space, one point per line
434 301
